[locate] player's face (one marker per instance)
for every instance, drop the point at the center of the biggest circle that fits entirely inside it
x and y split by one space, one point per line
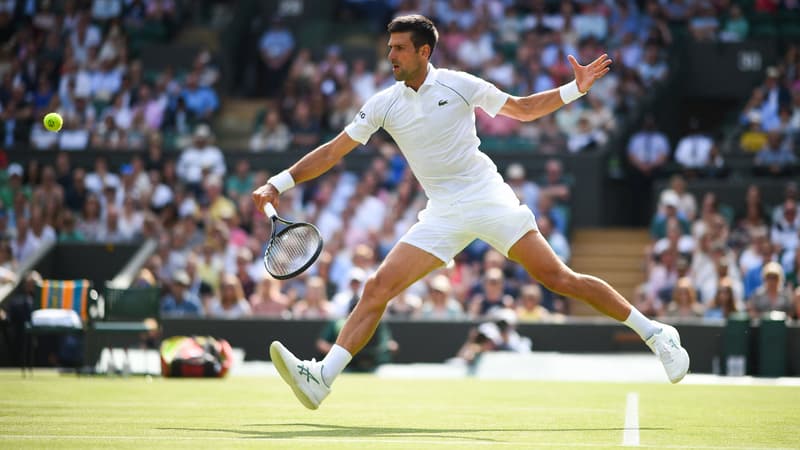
407 62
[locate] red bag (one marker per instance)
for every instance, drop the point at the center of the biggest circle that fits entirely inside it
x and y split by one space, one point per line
195 356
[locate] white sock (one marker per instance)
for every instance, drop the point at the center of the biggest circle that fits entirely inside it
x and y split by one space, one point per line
643 326
334 363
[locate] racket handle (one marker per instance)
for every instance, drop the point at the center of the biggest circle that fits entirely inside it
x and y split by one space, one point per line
269 210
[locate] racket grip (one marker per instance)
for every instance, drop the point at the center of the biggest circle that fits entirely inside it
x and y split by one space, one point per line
269 210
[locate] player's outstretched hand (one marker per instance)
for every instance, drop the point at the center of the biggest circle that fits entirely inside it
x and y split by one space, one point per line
265 194
586 75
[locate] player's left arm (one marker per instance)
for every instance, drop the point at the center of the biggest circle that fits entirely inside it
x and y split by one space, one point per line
542 103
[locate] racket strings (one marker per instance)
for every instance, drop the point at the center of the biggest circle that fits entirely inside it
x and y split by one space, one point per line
292 249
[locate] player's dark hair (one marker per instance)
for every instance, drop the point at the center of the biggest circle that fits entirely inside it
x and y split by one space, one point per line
423 31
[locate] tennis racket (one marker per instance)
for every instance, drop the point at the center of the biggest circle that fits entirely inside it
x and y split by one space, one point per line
291 250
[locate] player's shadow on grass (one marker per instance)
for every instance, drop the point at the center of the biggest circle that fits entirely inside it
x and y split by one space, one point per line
319 430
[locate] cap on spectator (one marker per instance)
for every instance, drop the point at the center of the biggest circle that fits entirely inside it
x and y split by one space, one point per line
772 268
773 72
754 117
14 169
671 199
357 274
515 171
441 284
126 169
202 131
181 277
506 315
111 183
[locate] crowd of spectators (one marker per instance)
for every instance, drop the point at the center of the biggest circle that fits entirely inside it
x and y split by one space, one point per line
75 58
519 46
770 121
199 210
714 259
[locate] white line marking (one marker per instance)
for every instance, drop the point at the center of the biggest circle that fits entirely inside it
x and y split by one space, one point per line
365 441
630 437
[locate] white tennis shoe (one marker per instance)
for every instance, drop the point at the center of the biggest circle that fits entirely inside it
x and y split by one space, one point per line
666 344
304 377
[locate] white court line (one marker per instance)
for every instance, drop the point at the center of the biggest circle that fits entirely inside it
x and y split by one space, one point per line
365 441
630 437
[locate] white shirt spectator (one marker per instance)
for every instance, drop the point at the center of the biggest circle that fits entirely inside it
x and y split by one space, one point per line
648 146
475 51
193 160
785 234
693 151
105 83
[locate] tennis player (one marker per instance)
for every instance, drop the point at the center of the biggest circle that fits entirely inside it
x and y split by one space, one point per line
430 114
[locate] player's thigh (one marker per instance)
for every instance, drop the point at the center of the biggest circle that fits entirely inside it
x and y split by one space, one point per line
537 257
404 265
502 225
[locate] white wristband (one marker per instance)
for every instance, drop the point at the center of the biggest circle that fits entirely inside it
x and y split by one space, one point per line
282 181
569 92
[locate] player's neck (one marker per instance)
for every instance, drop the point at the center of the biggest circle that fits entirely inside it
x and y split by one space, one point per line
417 81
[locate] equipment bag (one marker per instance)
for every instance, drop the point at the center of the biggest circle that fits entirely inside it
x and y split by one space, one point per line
195 356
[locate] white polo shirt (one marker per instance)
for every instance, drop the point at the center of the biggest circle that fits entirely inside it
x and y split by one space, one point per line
435 129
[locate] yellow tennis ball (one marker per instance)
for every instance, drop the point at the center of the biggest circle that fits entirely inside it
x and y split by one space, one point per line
53 121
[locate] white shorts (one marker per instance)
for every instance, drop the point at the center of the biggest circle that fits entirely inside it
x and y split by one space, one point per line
497 218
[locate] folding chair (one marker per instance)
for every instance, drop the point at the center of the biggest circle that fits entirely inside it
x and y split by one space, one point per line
133 310
69 295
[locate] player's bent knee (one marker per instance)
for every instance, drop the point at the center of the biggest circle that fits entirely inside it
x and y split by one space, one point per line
377 291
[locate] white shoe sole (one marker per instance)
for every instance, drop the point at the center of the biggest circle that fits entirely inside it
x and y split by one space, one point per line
280 365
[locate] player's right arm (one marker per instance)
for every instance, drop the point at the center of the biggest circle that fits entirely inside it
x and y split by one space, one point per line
324 157
310 166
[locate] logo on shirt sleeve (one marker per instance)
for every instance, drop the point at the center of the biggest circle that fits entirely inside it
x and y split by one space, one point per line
442 102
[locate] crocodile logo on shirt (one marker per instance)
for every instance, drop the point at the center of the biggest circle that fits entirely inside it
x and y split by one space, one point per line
442 102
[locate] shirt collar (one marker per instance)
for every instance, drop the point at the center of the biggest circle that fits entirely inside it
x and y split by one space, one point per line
430 79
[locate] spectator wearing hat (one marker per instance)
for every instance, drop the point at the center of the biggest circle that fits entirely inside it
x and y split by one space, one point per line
527 191
775 94
440 304
200 158
785 232
753 138
179 301
344 300
14 184
671 203
773 294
